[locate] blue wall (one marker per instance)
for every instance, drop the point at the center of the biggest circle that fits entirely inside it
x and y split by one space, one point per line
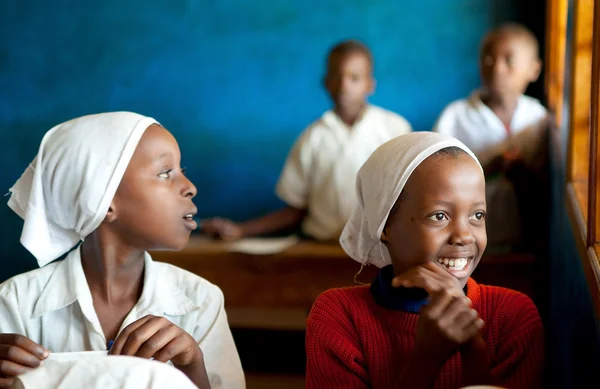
235 81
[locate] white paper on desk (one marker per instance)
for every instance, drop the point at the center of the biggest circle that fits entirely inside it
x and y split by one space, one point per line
263 246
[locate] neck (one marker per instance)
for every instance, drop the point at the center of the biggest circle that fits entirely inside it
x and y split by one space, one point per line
350 116
114 271
503 106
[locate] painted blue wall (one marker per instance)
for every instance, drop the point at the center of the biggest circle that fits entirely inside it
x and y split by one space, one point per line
235 81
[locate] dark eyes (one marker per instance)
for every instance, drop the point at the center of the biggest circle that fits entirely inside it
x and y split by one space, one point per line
441 216
438 217
167 173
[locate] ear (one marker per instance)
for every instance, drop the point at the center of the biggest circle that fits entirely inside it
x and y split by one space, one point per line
373 86
111 214
536 69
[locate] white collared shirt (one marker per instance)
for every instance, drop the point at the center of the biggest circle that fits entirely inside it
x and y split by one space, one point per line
479 128
321 168
53 307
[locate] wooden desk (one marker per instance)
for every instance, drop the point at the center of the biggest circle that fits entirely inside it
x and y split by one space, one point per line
277 291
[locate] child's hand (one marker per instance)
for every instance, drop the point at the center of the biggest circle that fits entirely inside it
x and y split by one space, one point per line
430 277
18 355
447 321
158 338
445 324
222 229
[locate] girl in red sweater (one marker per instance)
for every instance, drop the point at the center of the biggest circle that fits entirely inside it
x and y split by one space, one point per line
423 322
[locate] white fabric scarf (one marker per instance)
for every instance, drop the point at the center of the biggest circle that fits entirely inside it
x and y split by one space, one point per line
379 183
65 193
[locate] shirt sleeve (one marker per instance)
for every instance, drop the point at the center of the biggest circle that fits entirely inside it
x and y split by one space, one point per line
399 125
10 316
294 181
519 359
445 122
334 357
221 358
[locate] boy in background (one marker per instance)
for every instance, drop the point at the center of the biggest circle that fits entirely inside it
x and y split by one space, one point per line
505 129
317 181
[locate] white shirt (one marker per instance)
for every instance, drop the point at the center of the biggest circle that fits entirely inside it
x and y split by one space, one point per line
91 370
321 168
53 307
477 126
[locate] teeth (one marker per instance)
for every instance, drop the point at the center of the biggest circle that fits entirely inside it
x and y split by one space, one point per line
455 264
188 216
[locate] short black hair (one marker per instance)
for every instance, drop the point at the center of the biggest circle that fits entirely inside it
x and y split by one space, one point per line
350 46
514 29
450 152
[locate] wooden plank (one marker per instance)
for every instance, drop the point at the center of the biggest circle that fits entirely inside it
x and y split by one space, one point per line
556 18
593 217
579 95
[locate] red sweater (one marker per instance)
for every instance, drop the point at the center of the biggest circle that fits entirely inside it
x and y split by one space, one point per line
351 342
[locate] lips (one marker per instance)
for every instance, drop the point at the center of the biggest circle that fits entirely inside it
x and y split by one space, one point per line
188 219
458 264
190 215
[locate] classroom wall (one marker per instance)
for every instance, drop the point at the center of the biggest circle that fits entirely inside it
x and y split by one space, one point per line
235 81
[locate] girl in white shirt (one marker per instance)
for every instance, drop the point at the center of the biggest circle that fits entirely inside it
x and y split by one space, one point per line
113 183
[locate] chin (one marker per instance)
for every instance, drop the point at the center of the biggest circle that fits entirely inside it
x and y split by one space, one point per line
173 245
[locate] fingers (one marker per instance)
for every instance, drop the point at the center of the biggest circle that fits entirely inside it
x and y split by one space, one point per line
18 355
176 348
6 383
438 305
12 369
428 278
157 342
117 347
417 277
221 228
24 343
466 317
473 328
459 307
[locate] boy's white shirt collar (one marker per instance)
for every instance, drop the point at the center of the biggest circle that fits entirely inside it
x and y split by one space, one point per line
68 285
332 120
491 118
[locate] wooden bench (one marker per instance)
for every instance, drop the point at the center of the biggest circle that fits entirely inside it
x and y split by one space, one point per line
277 291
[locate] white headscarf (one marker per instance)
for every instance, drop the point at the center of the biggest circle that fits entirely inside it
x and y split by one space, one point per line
65 193
379 182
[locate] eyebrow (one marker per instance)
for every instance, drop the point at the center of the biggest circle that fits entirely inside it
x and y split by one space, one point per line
449 203
163 155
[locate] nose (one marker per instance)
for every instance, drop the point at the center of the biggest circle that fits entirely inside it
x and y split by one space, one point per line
499 67
462 234
345 84
188 189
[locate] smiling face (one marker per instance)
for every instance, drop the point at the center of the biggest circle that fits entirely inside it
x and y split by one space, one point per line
440 216
152 208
